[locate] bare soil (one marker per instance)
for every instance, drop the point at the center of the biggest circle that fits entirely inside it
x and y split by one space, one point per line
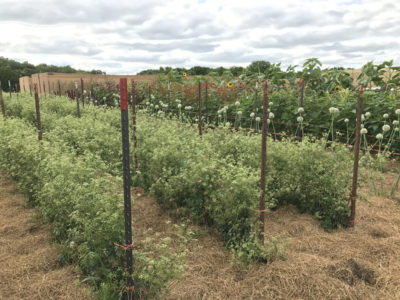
29 267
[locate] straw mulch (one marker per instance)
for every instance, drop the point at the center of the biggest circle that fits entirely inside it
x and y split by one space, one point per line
29 267
356 263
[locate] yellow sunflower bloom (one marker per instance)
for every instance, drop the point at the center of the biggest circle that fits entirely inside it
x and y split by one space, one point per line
230 84
184 74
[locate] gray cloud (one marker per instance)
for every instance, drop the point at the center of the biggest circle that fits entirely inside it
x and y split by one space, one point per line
146 34
71 47
73 11
200 45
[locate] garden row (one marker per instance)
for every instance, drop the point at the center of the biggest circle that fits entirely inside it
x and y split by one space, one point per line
214 179
79 191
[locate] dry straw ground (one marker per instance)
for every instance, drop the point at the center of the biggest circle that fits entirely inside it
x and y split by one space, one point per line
28 259
359 263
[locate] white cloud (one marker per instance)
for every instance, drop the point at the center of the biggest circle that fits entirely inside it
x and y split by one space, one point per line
128 36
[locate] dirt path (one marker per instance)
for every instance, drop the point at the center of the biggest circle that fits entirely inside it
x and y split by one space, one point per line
359 263
28 259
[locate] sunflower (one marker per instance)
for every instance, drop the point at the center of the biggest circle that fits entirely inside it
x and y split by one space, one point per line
230 84
336 88
184 74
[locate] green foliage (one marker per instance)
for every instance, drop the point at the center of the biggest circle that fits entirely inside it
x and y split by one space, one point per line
83 201
214 179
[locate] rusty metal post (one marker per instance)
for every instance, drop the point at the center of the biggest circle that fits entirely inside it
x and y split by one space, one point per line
353 197
200 116
44 89
127 185
9 86
3 108
301 105
49 90
40 87
39 124
206 100
263 161
77 100
169 95
302 92
59 88
82 95
134 124
30 89
255 105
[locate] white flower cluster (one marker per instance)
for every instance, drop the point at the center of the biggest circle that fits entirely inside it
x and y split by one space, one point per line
385 128
379 136
346 120
271 116
188 108
223 110
397 111
252 115
333 110
367 114
152 97
239 113
300 119
395 122
179 106
300 110
237 103
163 105
364 131
385 116
258 119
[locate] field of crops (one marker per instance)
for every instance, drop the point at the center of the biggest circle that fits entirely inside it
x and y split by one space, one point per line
74 175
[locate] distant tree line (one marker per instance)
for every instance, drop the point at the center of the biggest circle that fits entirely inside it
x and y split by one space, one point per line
13 70
256 67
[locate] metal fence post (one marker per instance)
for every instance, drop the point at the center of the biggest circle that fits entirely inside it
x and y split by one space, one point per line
127 185
169 95
9 86
302 92
44 89
200 123
77 100
3 108
356 157
263 161
134 124
206 100
39 124
82 96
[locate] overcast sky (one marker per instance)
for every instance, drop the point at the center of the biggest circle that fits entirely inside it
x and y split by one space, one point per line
124 37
